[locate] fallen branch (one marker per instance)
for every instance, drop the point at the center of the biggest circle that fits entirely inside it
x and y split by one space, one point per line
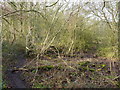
18 69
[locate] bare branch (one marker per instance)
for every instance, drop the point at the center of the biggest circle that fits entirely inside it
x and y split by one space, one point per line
53 4
104 4
23 11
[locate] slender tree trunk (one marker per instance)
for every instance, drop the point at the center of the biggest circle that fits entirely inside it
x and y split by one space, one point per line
119 30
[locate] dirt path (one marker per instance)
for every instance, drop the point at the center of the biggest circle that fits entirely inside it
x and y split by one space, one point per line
14 77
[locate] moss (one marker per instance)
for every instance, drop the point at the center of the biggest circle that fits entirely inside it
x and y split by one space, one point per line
99 69
86 66
91 69
83 69
84 63
48 67
102 66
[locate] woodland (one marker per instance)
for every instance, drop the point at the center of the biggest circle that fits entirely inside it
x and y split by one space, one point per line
60 44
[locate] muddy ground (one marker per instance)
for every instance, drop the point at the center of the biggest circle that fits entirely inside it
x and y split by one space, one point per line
62 72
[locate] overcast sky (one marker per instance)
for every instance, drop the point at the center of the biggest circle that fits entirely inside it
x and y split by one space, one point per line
61 0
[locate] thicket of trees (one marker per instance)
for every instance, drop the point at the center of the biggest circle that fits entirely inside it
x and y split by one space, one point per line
69 27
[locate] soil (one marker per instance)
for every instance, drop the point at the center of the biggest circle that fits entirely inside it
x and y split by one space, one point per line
53 73
14 78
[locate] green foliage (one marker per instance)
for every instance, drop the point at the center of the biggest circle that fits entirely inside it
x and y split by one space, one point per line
28 26
86 63
12 50
107 52
85 66
91 69
38 29
88 66
48 67
118 84
102 66
4 85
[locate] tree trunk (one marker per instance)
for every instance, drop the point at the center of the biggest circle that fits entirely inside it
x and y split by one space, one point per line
119 30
